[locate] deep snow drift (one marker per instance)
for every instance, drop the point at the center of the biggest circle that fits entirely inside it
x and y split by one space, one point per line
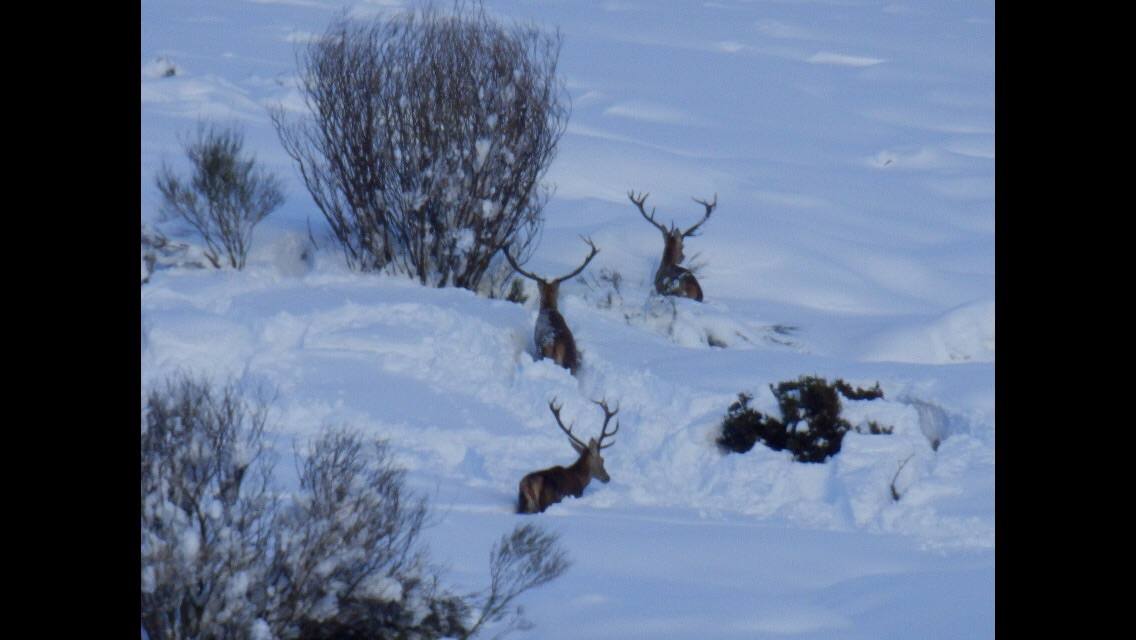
851 147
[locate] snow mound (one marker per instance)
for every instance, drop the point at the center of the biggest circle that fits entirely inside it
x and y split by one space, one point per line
962 334
684 322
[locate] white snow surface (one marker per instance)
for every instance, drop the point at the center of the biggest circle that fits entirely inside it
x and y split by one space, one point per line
851 146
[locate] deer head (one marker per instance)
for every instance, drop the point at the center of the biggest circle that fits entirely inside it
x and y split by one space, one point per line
670 278
552 337
590 451
540 489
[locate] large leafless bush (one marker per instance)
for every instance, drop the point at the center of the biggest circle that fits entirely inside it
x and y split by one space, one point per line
225 196
427 137
226 554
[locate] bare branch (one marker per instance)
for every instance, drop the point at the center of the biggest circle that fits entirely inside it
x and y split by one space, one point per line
525 559
894 493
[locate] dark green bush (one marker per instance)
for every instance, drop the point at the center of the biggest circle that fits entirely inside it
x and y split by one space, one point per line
809 400
740 428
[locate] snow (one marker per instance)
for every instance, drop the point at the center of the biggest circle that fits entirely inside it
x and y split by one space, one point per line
482 148
149 581
260 631
490 209
381 588
189 544
851 147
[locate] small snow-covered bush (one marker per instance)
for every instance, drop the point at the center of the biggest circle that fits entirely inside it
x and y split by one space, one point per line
427 137
224 198
605 289
639 305
517 292
224 554
810 426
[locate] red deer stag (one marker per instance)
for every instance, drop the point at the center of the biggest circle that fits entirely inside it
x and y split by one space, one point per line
540 489
671 279
552 337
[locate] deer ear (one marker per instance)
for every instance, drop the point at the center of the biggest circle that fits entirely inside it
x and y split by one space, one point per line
578 448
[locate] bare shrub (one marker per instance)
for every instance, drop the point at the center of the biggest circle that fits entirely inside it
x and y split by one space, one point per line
522 560
350 565
224 554
427 138
500 281
225 197
605 289
206 510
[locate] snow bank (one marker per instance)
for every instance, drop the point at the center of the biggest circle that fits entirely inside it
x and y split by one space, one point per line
451 378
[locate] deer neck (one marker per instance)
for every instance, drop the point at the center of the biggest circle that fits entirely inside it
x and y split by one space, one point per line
582 469
549 295
672 252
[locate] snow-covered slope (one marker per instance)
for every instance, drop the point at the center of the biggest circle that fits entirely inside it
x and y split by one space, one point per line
851 147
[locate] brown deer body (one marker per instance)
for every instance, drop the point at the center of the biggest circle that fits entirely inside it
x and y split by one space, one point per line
670 278
551 334
552 337
673 280
540 489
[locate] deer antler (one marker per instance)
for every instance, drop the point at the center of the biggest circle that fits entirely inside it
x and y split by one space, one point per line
608 414
642 198
568 430
709 209
533 276
586 261
517 267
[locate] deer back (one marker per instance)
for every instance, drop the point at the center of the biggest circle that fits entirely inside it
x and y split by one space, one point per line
673 280
670 278
554 339
540 489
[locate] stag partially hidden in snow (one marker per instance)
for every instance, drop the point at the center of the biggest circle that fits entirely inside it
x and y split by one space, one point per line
540 489
552 336
670 278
